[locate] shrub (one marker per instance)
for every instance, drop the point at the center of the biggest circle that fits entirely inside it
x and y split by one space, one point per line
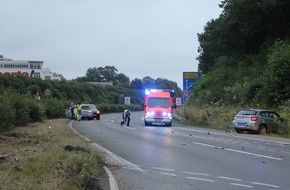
54 108
35 113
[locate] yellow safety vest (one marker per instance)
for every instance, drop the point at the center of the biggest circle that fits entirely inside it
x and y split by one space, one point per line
79 107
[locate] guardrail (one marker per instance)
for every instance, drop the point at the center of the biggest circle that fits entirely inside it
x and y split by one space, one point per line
177 117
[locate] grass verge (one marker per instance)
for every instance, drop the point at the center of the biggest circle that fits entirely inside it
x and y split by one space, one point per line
48 155
220 118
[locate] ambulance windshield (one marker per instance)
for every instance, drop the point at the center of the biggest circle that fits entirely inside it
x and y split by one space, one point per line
158 102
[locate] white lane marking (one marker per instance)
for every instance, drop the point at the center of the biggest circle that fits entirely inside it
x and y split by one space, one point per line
131 128
241 185
193 173
265 140
258 155
163 169
285 152
127 127
265 184
229 178
216 133
201 179
169 174
208 145
199 131
238 151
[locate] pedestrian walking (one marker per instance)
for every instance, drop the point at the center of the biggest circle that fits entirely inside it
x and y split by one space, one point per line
72 110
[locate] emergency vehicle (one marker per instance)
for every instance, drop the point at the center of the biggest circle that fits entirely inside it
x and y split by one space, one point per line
158 107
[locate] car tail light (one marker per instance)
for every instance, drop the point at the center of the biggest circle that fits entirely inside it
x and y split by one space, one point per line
254 118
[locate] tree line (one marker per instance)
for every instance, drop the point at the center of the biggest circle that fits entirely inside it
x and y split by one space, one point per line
245 55
23 99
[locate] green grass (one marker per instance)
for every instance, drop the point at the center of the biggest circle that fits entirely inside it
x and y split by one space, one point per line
36 158
220 117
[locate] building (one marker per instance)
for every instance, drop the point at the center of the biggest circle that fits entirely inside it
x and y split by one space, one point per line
27 68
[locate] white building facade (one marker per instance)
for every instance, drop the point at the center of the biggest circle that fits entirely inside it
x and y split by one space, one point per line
27 68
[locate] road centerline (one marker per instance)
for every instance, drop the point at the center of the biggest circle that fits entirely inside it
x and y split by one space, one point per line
201 179
266 185
237 151
242 185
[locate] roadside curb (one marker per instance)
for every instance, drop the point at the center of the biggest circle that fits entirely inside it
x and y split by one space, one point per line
112 180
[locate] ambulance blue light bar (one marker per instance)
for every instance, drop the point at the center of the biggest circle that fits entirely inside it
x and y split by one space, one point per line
147 91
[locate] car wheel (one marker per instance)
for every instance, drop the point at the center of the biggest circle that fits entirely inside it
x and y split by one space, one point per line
168 125
98 117
262 130
239 130
146 123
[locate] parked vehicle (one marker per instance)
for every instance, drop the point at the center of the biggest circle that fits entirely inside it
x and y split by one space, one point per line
68 112
256 120
89 111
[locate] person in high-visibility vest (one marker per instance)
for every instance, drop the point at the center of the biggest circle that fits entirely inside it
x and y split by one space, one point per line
79 111
126 115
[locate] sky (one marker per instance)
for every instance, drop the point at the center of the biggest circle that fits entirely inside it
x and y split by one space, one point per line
156 38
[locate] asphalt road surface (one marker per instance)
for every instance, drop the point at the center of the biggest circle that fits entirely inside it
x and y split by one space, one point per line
187 158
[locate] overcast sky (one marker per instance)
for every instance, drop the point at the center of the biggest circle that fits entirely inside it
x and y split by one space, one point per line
156 38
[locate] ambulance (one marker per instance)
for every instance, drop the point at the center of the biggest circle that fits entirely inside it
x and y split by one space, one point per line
158 107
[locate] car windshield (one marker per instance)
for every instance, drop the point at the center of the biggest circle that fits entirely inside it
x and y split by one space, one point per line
85 108
93 107
247 112
158 102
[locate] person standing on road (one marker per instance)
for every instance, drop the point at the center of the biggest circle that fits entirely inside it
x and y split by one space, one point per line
72 110
79 111
126 115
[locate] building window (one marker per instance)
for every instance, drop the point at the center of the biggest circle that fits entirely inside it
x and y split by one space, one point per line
36 75
47 77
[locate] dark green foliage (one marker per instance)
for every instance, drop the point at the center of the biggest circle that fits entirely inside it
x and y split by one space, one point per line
275 79
35 112
239 57
17 109
137 84
24 100
7 111
54 108
105 74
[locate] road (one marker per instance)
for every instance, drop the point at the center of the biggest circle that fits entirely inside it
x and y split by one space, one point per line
188 158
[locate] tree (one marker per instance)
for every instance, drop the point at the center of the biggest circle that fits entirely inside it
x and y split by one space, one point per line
110 73
106 74
276 81
122 79
148 82
97 75
243 28
136 84
234 53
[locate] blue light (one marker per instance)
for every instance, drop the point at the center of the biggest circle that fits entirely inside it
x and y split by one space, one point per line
147 92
